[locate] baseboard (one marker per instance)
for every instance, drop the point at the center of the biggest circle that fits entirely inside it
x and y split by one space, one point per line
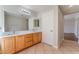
51 45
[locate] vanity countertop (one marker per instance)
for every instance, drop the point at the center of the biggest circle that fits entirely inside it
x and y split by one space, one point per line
10 34
17 33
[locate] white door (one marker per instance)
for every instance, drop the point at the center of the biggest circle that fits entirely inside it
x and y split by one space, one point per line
47 27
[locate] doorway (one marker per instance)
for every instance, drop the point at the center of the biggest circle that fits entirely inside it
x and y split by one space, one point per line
71 27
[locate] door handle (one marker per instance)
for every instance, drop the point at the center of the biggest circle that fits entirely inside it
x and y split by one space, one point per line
51 30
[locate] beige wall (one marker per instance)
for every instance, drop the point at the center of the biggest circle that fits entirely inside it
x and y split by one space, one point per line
60 27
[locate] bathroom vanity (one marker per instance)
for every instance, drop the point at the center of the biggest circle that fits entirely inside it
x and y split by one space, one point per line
18 30
14 43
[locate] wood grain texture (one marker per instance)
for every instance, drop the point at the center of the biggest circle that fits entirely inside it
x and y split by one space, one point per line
28 38
8 45
20 42
37 37
68 47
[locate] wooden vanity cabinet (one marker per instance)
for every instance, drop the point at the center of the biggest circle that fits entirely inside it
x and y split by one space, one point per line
40 36
28 40
37 37
14 44
8 45
20 42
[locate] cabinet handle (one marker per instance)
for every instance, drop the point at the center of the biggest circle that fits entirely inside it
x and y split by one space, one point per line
28 41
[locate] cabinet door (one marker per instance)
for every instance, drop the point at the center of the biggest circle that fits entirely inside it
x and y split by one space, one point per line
35 38
40 36
8 45
28 40
19 43
28 44
28 37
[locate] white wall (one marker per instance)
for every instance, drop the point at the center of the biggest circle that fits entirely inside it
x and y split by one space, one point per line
70 23
31 23
52 26
49 26
77 28
60 27
1 19
15 23
69 26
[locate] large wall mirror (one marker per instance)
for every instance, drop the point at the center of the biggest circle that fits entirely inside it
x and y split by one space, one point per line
17 19
15 23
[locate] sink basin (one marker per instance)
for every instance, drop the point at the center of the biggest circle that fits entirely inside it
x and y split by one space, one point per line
6 33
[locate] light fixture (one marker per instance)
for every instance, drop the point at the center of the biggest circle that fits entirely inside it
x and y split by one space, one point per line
26 12
70 6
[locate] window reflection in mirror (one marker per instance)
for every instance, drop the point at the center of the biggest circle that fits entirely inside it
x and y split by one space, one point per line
36 23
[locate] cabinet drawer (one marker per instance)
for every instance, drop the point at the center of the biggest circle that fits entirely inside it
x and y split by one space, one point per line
36 34
27 44
28 39
28 36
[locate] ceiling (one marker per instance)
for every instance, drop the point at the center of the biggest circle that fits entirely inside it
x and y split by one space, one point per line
17 10
34 9
70 17
38 8
69 9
